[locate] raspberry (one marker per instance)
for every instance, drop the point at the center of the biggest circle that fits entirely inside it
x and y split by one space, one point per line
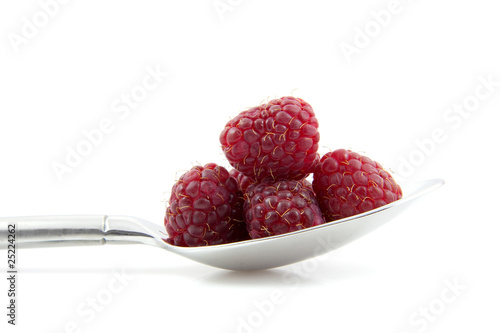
273 141
347 183
243 181
205 208
279 207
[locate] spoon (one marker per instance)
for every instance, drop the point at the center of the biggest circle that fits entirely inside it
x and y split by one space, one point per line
263 253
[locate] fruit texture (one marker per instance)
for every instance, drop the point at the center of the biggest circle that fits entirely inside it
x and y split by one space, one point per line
243 181
276 140
347 183
273 208
205 208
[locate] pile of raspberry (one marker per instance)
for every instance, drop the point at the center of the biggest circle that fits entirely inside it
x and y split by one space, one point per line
273 148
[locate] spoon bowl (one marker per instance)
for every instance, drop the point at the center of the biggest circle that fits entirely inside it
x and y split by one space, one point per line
255 254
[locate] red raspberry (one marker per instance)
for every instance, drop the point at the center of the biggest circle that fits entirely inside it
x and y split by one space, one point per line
205 208
273 141
280 207
347 183
243 181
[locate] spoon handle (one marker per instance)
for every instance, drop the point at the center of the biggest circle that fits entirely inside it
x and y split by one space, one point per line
73 230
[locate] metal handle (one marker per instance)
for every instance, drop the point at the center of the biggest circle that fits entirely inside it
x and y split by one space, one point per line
43 231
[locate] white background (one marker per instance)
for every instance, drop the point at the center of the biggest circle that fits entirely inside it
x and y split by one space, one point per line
386 100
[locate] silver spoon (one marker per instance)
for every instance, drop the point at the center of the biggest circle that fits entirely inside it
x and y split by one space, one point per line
269 252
